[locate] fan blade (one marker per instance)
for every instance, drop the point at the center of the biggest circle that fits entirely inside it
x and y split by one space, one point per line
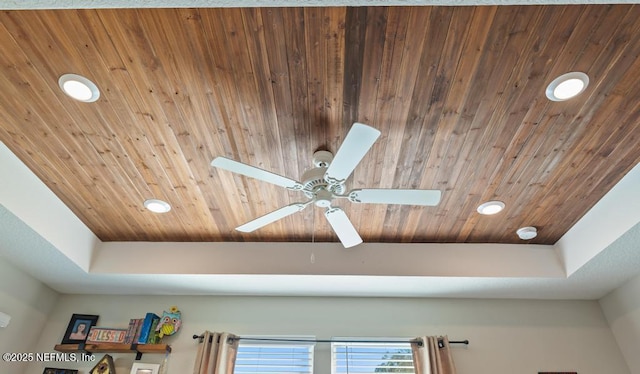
355 145
389 196
343 227
254 172
272 217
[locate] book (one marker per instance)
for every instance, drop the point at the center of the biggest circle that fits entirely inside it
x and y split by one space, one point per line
131 331
154 336
136 330
127 336
145 328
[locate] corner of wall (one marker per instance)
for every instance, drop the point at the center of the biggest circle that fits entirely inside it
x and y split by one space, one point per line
29 303
621 308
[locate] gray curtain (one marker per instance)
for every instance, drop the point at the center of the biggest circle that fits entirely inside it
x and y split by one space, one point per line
216 353
433 356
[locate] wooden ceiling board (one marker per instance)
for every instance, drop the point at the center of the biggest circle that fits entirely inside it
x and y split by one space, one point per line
457 93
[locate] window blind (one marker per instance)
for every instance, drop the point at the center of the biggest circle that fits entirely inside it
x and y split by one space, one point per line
371 358
272 358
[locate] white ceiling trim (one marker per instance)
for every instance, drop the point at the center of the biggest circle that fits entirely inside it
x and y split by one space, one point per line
96 4
30 252
368 259
612 216
26 196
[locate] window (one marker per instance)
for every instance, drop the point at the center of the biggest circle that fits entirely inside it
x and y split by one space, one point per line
274 357
371 358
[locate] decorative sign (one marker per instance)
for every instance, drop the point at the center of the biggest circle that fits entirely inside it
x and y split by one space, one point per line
106 335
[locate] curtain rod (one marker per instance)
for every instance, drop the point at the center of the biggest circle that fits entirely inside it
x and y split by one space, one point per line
419 341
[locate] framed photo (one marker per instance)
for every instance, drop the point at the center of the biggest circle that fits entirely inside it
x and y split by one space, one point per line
140 368
59 371
78 328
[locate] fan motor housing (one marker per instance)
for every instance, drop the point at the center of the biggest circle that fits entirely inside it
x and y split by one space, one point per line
313 179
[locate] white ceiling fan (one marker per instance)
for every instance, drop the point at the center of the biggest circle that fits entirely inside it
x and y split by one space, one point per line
326 181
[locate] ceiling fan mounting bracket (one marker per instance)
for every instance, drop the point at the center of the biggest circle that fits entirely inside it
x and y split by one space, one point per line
322 159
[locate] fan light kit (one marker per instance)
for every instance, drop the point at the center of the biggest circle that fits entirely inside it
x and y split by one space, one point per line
157 206
491 207
527 233
326 181
79 88
567 86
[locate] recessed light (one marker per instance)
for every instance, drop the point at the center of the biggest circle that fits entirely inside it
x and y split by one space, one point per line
79 88
491 207
567 86
527 233
157 206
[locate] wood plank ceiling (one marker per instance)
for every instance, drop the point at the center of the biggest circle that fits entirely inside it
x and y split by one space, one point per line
457 92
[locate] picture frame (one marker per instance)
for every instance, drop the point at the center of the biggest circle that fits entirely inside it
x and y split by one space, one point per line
142 368
59 371
78 328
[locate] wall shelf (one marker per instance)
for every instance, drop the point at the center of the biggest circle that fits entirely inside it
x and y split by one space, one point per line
138 349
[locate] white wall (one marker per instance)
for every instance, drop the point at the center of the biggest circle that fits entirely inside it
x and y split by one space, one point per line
507 336
622 310
29 303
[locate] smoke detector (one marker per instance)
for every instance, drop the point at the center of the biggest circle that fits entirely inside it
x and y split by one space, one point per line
527 233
